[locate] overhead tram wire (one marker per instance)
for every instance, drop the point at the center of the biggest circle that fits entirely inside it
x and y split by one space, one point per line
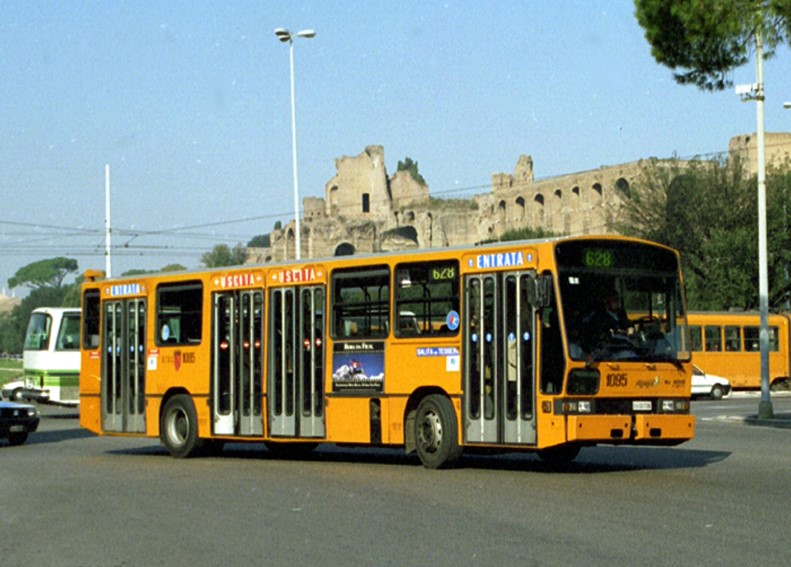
28 243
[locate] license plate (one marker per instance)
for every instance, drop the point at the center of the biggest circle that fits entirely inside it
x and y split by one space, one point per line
16 428
641 406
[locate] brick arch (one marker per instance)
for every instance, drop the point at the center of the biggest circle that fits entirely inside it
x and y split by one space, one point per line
622 186
344 249
520 208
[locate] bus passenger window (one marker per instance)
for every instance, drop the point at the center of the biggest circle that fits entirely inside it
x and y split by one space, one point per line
90 321
360 303
713 338
179 313
733 338
695 338
427 298
553 362
752 339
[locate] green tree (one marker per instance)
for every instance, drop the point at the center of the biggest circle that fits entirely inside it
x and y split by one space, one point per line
526 234
44 273
45 279
259 241
703 41
707 210
411 167
778 213
223 255
15 325
165 268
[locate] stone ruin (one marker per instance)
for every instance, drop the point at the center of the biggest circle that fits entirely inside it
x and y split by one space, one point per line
365 210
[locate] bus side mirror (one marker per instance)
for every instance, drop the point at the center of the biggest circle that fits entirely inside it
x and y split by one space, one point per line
543 291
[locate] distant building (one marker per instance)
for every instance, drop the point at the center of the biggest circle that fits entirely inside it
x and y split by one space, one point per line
7 303
366 210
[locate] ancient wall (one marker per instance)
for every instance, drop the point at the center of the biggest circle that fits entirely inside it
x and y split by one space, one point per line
360 185
777 149
365 210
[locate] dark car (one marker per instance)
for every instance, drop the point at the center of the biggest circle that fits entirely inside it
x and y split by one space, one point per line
17 421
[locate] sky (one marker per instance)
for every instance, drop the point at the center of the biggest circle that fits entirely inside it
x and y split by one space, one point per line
189 105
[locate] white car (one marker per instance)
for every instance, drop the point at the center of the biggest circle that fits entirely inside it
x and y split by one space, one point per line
710 385
12 391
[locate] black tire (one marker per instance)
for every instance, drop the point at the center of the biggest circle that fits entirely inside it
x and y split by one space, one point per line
436 432
17 438
178 429
561 456
716 392
16 395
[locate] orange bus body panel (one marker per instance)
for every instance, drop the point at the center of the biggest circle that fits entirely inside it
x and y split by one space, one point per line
362 344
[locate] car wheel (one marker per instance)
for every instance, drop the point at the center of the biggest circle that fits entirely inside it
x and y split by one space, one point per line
17 438
16 395
716 392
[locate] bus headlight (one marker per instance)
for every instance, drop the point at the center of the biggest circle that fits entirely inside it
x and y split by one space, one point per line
675 406
576 406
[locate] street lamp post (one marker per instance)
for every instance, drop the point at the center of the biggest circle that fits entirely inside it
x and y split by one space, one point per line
765 410
286 36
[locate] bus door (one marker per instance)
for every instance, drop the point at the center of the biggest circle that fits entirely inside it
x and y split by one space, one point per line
499 342
237 362
295 391
124 366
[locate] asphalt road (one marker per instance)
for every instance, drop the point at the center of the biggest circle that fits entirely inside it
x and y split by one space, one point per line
70 498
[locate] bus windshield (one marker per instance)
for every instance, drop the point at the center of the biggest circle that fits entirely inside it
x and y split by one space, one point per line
38 331
622 302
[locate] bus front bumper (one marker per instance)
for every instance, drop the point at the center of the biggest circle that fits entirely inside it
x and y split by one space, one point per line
663 427
649 429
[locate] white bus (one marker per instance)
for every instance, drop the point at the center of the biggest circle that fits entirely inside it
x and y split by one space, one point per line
51 357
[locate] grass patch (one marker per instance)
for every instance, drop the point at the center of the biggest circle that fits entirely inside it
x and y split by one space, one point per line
10 368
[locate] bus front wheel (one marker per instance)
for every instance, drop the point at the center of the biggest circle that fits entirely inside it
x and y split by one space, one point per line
436 432
179 427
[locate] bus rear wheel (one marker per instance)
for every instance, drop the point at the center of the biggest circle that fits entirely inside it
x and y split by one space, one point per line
178 429
436 432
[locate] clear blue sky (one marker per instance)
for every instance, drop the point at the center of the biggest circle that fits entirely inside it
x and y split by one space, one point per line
189 104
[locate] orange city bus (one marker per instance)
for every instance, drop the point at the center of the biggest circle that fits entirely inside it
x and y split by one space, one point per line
727 344
433 351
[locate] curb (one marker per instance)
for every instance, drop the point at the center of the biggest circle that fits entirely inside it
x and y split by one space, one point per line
782 421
